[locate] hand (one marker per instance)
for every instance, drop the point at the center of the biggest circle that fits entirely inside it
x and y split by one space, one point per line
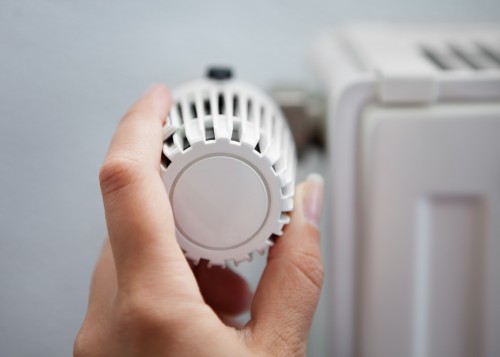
146 300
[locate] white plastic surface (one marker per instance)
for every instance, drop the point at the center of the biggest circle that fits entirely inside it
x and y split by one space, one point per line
210 192
430 256
390 248
229 167
399 55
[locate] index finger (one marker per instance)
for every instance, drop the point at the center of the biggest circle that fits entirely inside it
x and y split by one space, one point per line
140 223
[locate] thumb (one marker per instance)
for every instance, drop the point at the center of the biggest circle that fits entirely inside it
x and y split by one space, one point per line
288 293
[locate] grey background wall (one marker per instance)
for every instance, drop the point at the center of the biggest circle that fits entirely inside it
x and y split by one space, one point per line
69 69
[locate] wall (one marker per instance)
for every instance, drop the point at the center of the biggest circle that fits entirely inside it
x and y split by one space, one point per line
68 70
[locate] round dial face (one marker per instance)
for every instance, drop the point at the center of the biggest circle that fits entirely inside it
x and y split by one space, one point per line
228 165
219 202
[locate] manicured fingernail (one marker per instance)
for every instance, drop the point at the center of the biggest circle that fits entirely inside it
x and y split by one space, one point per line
313 199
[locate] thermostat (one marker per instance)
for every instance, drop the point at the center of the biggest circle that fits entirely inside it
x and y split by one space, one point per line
228 164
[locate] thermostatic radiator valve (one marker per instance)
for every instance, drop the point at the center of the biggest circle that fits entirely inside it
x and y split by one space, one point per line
228 165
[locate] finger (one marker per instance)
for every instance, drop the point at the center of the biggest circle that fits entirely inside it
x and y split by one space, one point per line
139 218
288 292
103 286
227 293
231 321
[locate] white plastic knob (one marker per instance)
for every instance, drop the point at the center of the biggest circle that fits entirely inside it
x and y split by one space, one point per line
229 168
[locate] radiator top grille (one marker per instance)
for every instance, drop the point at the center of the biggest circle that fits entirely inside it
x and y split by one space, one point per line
458 56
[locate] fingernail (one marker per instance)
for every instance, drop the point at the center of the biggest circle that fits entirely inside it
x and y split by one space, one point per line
313 199
159 97
152 89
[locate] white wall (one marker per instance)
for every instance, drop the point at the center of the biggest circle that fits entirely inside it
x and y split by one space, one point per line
68 70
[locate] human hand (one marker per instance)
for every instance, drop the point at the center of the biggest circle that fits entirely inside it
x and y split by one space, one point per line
146 299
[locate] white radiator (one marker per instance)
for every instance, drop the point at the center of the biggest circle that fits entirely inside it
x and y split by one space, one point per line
414 135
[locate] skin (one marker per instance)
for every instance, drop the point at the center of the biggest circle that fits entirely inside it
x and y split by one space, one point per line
146 299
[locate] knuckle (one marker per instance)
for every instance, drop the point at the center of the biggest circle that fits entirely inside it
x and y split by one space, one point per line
79 347
137 314
139 311
117 173
82 347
